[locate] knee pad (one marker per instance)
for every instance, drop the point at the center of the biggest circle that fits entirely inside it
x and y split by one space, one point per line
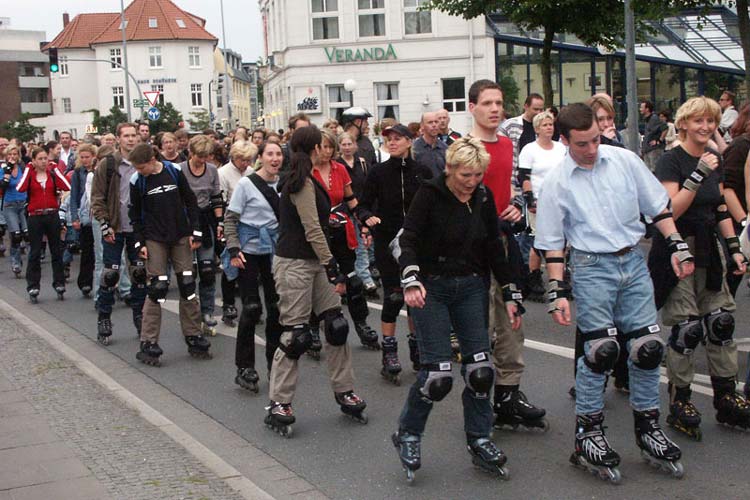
356 298
186 284
604 349
110 277
337 328
479 374
646 347
207 272
439 381
251 313
299 343
158 288
719 327
138 274
392 304
16 237
26 236
686 335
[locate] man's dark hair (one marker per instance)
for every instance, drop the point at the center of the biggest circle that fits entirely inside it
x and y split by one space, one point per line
531 97
667 114
65 132
295 118
730 96
142 153
49 146
480 86
258 131
576 116
209 132
649 106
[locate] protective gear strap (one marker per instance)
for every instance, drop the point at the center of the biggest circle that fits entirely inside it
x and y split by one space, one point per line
556 291
207 272
216 200
696 178
555 260
511 293
479 374
410 277
439 381
733 244
251 311
646 347
677 246
138 274
16 237
662 216
602 352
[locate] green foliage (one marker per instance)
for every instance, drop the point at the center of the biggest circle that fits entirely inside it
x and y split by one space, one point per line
21 129
107 123
200 121
168 120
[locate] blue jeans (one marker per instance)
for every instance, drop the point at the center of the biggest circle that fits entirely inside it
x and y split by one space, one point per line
71 236
112 257
15 217
461 302
362 264
124 283
613 291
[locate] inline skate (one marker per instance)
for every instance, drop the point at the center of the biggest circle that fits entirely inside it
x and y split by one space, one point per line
413 352
247 378
229 315
149 353
208 326
60 291
280 418
592 451
656 448
198 346
683 416
512 409
33 295
103 329
732 408
352 406
391 370
488 457
367 336
409 452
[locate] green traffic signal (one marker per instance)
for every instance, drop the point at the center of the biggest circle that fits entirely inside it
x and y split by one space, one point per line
54 65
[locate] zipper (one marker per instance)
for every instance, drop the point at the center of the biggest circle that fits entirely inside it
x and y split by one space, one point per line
403 197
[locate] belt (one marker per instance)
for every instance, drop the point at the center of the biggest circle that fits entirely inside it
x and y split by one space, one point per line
44 211
623 251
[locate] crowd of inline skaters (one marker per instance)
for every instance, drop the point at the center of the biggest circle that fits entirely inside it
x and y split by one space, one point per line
457 228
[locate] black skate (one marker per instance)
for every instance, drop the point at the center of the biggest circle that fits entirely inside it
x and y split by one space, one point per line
280 418
683 416
656 448
409 452
60 291
513 409
229 315
198 346
414 352
486 455
536 291
86 291
137 321
103 329
208 326
149 353
593 452
455 349
367 336
391 370
733 410
17 271
352 406
33 295
315 347
247 378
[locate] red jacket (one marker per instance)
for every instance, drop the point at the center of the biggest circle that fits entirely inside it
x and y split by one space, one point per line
43 198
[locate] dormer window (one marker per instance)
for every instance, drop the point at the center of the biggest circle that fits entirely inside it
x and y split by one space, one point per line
152 23
180 23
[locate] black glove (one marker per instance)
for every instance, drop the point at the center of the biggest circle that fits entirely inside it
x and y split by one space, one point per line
332 272
528 196
733 244
557 290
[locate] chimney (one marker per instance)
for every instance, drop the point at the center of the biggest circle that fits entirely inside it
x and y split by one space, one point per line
66 19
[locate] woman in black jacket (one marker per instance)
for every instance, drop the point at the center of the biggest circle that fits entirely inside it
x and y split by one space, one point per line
386 197
449 244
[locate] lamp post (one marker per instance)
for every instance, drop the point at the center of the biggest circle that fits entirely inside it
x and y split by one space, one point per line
349 86
125 59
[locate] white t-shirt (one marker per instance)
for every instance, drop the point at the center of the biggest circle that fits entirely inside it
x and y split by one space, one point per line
540 161
229 176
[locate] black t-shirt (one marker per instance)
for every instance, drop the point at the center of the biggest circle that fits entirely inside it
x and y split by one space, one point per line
527 136
735 157
676 165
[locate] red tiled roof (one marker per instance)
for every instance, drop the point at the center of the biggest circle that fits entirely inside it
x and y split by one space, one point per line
82 30
166 13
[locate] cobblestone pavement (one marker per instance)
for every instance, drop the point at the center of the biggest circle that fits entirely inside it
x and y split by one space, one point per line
127 456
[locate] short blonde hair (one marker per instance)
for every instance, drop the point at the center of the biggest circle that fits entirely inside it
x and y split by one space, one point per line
83 148
201 145
467 152
244 150
331 138
540 117
696 106
347 135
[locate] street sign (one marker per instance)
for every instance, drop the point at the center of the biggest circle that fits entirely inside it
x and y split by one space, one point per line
140 103
152 96
153 114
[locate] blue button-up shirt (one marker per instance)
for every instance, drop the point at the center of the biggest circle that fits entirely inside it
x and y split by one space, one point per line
598 210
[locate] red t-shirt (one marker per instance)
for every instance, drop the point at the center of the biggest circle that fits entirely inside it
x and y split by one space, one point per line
338 179
499 171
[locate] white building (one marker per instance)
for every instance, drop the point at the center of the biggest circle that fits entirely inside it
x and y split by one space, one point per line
403 61
168 50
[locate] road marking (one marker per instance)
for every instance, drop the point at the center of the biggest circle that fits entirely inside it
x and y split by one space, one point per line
223 470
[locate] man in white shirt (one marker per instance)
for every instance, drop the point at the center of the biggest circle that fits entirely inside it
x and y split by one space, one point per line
67 154
728 114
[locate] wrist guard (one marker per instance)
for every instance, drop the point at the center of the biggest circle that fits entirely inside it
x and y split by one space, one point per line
106 230
410 277
528 196
511 293
332 272
556 291
733 244
678 247
695 180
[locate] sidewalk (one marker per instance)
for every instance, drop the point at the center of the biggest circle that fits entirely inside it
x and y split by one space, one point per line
64 436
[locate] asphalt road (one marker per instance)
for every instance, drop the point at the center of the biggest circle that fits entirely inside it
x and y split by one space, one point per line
348 460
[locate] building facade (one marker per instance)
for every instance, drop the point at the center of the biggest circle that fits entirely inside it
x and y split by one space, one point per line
24 75
237 87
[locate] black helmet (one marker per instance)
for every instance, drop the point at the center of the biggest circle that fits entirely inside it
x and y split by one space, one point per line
354 113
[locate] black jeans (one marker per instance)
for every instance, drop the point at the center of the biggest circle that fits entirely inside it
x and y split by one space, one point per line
228 291
86 272
257 270
40 226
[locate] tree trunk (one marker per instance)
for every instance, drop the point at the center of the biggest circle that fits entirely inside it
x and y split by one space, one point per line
549 35
744 25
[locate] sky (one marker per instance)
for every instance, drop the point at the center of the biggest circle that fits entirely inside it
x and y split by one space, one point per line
241 18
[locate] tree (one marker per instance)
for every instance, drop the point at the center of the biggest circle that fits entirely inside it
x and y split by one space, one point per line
21 129
168 121
595 22
744 25
200 120
107 123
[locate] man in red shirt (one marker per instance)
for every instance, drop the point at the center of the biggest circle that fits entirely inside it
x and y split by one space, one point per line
511 406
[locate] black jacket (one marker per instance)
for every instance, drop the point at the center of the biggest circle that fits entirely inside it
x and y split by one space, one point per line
293 243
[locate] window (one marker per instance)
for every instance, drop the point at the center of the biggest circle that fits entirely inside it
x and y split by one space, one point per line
338 100
66 105
416 22
196 94
115 55
454 97
152 22
371 17
325 19
154 57
63 60
118 97
387 95
160 90
194 57
180 23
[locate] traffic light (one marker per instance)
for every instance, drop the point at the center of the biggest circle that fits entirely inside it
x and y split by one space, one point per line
220 82
54 65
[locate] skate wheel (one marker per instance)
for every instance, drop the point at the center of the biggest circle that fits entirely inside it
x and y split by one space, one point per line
544 425
286 431
104 340
678 471
409 476
503 473
613 475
